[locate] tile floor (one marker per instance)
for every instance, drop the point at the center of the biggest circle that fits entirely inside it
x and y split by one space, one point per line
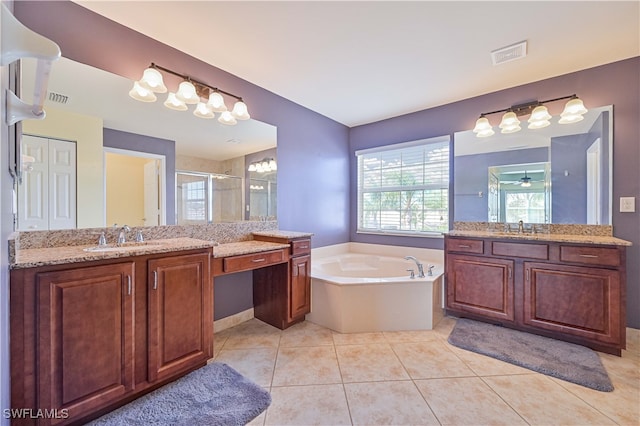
317 376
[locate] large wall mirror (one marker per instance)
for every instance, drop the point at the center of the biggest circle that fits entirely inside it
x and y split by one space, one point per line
136 163
559 174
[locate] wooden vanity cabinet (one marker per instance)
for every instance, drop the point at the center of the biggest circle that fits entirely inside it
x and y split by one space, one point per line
282 293
88 337
179 315
480 285
85 337
572 292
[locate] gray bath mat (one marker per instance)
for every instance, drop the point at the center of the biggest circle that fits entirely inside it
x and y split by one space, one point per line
215 394
566 361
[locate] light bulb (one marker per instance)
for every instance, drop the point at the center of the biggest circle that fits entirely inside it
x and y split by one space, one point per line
240 110
187 93
174 103
482 125
539 118
152 80
140 93
216 102
510 123
227 118
203 111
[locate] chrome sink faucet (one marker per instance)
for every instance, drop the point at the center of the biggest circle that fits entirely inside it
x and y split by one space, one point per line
418 264
122 235
520 227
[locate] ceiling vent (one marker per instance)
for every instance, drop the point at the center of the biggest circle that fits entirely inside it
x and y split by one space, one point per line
58 98
509 53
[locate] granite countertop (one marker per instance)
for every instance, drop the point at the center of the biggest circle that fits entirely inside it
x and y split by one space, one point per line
276 233
245 247
558 238
29 258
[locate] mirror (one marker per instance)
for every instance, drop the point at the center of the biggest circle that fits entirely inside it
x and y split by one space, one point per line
91 107
568 168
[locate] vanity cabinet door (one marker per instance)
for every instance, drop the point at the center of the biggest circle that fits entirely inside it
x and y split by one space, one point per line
481 286
576 300
180 314
85 338
300 291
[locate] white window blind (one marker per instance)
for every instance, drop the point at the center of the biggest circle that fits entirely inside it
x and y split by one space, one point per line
404 188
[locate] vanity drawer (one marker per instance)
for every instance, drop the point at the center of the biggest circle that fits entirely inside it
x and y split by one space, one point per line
465 246
530 251
252 261
300 247
590 255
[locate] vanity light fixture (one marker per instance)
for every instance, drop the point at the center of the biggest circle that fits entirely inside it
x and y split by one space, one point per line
573 112
190 92
263 166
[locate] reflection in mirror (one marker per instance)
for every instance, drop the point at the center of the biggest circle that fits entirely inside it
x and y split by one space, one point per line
520 192
92 108
577 178
207 198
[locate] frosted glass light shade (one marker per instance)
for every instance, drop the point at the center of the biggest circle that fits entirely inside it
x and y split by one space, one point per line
227 118
573 111
526 184
240 111
216 102
252 167
482 125
539 118
152 80
139 93
485 133
203 111
273 165
174 103
187 93
510 123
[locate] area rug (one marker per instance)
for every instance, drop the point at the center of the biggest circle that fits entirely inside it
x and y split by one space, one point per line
215 394
566 361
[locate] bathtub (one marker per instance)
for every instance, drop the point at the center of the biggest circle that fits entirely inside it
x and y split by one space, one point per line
359 287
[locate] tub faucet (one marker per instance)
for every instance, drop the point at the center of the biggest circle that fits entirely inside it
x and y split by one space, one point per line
430 270
122 236
418 264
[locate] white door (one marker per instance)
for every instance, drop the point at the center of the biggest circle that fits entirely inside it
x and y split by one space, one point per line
62 184
151 193
32 192
47 194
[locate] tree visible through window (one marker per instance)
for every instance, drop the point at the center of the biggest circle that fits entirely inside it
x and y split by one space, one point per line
404 188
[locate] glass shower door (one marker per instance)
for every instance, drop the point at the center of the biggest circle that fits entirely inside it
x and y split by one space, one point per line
192 198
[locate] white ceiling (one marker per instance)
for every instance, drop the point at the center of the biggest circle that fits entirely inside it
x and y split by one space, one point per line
359 62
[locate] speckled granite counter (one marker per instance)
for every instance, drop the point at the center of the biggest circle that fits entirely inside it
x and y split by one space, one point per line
29 258
283 234
560 238
245 247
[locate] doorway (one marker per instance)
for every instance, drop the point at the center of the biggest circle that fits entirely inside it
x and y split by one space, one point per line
135 188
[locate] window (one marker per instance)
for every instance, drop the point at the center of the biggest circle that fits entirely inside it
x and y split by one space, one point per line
404 188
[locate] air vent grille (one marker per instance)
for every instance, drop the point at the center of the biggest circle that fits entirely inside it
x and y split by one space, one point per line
58 98
509 53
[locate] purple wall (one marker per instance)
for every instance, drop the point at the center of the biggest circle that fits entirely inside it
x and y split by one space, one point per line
313 167
615 83
134 142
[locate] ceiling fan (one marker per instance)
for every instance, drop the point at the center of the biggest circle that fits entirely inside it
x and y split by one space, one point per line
525 181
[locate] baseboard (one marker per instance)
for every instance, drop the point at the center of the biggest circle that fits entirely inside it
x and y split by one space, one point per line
232 320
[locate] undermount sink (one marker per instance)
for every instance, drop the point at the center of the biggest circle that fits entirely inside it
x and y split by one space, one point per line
128 246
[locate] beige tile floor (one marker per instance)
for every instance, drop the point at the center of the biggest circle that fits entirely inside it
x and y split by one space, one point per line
320 377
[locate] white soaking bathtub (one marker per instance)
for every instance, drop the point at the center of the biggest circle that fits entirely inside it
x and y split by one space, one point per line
359 287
